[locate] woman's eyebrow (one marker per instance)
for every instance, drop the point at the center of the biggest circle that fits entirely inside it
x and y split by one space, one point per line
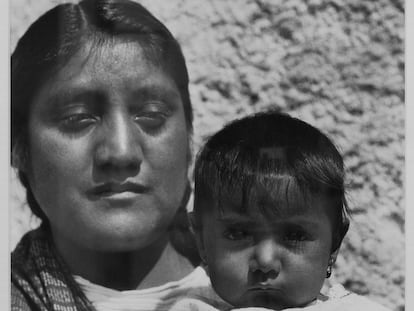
157 90
63 97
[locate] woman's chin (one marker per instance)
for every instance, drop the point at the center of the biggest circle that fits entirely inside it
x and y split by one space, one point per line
129 240
115 235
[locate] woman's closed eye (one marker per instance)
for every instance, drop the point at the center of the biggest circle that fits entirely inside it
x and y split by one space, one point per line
76 110
77 121
153 116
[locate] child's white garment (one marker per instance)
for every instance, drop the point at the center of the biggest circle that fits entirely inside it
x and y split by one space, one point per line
337 299
195 287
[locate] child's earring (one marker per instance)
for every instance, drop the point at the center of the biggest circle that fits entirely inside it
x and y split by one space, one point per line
329 269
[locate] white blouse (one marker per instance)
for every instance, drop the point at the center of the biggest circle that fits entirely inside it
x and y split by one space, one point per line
179 295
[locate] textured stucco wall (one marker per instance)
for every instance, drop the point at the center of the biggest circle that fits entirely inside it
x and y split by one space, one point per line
334 63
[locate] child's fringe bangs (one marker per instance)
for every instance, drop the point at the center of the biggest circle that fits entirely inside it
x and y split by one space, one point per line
254 182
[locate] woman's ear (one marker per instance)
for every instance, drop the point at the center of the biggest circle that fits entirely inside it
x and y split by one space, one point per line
19 157
196 229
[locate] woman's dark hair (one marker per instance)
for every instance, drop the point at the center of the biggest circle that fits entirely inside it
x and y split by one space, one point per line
271 162
56 36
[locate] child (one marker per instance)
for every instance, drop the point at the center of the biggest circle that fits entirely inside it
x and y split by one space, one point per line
270 215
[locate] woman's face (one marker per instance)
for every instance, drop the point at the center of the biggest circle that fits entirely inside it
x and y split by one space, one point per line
108 148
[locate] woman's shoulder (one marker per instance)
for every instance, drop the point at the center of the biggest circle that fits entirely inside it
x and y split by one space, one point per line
18 301
31 244
27 259
26 285
23 259
39 279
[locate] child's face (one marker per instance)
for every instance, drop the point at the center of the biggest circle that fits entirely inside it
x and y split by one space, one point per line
276 263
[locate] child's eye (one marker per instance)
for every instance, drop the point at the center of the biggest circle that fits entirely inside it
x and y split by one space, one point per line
296 236
77 121
236 234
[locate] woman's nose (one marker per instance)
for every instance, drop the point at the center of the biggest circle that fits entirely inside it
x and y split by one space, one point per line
266 258
119 149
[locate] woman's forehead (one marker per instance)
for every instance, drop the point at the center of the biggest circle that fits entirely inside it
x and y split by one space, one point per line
106 54
111 67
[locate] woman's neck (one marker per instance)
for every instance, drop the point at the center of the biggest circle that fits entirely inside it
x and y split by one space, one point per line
151 266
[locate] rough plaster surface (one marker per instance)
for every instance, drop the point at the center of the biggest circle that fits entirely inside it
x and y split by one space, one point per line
336 64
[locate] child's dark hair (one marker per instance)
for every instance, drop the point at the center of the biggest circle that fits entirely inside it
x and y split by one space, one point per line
270 154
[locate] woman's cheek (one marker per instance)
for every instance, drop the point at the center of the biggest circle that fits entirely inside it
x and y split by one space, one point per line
55 163
169 157
54 156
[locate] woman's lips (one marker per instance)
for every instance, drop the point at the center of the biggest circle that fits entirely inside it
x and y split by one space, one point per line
128 190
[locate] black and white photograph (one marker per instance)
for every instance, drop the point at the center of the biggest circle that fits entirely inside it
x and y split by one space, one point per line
208 155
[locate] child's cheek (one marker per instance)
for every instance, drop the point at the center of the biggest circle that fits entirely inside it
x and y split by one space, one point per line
233 266
229 276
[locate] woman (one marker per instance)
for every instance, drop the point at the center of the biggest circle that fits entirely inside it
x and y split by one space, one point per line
101 124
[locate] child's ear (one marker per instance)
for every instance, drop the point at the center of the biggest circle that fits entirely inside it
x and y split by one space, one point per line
334 254
339 238
197 231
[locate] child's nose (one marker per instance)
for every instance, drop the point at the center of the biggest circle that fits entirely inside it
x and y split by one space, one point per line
266 257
